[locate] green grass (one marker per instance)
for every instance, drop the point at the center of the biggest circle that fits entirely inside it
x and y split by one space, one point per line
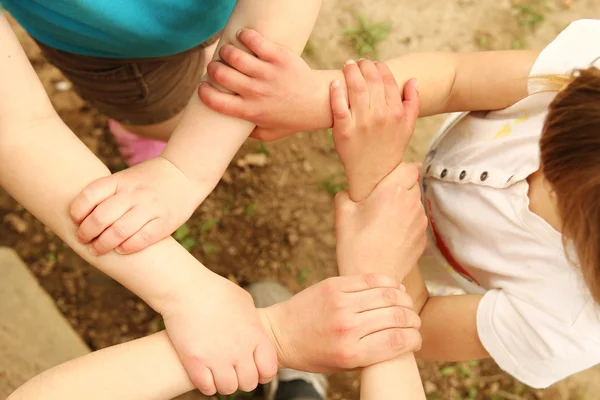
332 186
263 150
303 275
182 235
366 38
309 50
530 13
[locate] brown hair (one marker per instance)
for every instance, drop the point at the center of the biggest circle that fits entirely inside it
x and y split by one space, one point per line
570 157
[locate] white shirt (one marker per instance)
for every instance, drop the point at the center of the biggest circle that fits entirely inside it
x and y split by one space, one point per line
536 318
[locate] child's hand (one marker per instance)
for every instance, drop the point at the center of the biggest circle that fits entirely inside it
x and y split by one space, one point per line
134 208
344 323
372 134
219 336
274 89
384 234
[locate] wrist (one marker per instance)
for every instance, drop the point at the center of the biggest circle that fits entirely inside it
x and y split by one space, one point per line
271 321
320 98
185 286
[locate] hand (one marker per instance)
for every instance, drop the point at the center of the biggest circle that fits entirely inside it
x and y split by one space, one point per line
372 134
219 337
274 89
384 234
134 208
344 323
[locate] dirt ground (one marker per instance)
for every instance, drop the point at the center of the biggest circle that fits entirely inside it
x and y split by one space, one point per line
276 221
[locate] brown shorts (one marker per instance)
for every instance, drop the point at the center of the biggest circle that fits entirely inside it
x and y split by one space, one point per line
137 91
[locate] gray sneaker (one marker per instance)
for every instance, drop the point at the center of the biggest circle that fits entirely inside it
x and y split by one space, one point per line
289 384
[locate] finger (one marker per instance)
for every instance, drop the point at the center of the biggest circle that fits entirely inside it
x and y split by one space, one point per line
265 359
150 233
387 318
224 103
358 95
225 379
93 194
230 78
381 297
204 381
386 345
245 63
393 94
374 81
411 103
259 45
103 216
247 375
121 230
367 282
339 108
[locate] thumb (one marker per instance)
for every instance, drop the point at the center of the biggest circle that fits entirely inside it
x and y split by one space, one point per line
411 102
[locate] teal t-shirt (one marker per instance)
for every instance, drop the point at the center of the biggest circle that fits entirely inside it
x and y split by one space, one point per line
121 28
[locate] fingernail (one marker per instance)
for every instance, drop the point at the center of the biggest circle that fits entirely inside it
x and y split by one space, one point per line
335 84
238 33
360 59
351 61
119 250
93 251
402 287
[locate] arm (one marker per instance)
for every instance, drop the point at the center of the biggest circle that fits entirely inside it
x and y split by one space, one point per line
447 82
376 117
305 329
165 191
44 166
206 135
449 323
449 329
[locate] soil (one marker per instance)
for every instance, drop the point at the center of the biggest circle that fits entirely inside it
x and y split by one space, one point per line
276 220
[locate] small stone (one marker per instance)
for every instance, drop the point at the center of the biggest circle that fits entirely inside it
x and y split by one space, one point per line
253 160
227 178
63 86
37 238
430 387
307 166
292 238
17 223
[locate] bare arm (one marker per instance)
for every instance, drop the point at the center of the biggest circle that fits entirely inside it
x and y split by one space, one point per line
214 138
143 369
449 323
450 82
44 166
447 82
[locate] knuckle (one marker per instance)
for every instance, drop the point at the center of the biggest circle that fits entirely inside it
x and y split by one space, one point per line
343 325
146 236
346 357
119 230
390 296
371 280
399 317
396 340
398 113
98 219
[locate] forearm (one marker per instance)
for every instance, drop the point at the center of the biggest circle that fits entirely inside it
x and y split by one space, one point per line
449 329
448 82
449 323
205 141
45 167
144 369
